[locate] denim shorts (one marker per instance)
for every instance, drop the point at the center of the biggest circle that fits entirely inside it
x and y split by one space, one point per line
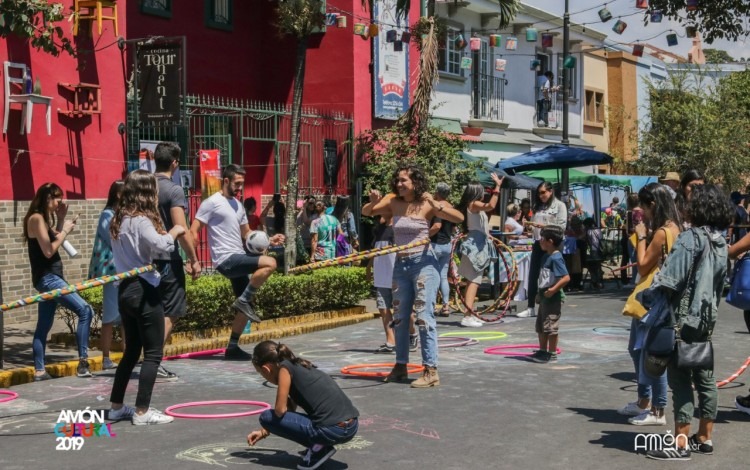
384 298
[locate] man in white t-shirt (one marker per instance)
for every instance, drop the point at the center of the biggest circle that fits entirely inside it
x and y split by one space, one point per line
227 227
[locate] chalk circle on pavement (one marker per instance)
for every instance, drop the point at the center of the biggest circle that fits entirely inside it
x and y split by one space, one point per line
510 350
476 335
9 396
357 369
455 341
263 406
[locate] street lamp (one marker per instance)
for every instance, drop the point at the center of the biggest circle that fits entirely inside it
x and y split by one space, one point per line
565 176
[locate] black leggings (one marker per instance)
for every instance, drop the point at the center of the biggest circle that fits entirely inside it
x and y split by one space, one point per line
143 320
535 266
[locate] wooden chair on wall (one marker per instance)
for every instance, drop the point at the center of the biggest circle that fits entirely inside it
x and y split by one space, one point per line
27 100
94 11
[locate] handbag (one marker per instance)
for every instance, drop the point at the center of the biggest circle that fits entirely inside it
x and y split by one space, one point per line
660 340
633 308
739 292
697 355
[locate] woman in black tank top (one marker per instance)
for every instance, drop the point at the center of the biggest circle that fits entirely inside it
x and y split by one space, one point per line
45 211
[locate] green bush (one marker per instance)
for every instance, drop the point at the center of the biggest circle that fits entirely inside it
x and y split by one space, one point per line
210 298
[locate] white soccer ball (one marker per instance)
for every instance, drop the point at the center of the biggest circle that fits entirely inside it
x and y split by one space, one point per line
257 242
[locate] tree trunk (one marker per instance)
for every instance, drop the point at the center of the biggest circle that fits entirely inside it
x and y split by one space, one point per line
292 185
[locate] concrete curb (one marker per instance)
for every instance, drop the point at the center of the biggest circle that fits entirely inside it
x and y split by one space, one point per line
283 328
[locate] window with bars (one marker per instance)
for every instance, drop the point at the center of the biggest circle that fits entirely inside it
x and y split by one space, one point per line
594 108
219 14
449 58
157 7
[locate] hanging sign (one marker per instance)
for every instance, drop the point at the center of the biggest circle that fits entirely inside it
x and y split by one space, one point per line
638 50
656 16
500 65
642 4
531 34
466 63
671 39
160 77
547 39
390 63
475 44
619 27
511 43
605 15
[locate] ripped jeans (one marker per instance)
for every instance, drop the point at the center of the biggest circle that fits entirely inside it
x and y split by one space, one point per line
415 283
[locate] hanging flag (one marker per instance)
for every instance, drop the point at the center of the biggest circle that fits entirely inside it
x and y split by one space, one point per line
511 43
638 50
475 44
360 29
605 15
619 27
671 39
495 40
500 65
331 19
373 30
210 172
459 42
390 36
531 34
466 62
656 16
547 39
642 4
406 37
398 46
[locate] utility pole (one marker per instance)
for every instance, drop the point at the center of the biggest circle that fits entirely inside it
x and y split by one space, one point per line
565 176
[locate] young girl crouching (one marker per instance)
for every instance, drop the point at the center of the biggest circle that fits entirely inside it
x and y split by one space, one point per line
329 419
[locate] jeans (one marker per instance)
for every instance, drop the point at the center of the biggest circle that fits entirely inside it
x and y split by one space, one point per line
535 265
143 320
541 111
297 427
415 282
655 390
443 256
47 309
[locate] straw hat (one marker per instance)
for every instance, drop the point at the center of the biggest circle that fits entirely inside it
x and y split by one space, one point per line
671 176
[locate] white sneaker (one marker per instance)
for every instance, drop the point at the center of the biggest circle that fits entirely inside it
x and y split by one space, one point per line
126 412
632 409
152 416
529 312
648 419
470 321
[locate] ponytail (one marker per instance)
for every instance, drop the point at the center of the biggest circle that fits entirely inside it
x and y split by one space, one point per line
272 352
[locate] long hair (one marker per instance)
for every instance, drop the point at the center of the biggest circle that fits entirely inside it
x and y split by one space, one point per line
473 191
709 206
664 208
539 204
39 205
417 177
274 353
341 208
139 197
114 194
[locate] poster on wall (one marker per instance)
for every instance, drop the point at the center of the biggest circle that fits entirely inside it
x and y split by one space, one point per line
391 64
210 172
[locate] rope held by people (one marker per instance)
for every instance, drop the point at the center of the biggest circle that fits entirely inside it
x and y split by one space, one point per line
363 255
70 288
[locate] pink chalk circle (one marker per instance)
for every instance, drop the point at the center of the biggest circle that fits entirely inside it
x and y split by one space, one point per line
508 349
263 407
455 341
191 355
10 396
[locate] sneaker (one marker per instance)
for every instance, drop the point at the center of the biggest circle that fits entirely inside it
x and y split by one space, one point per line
529 312
705 447
316 459
429 378
237 354
648 418
126 412
470 321
83 369
552 357
541 358
669 454
163 375
152 416
632 409
413 342
443 312
385 348
107 364
243 306
538 353
40 378
742 403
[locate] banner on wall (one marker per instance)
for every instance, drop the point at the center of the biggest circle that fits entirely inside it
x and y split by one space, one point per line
160 78
210 172
391 63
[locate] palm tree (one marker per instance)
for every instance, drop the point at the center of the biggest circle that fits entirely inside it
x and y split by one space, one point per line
297 18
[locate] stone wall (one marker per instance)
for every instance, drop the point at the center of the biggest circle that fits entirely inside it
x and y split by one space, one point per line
15 272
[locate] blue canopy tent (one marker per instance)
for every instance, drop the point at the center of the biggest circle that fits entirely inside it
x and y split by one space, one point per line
518 181
554 157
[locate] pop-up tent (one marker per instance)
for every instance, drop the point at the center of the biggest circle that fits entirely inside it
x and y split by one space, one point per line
554 157
518 181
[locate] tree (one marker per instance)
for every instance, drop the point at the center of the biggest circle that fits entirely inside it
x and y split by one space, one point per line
717 56
300 19
714 19
33 20
694 127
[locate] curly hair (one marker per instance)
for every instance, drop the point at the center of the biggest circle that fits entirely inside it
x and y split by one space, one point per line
139 197
417 177
710 206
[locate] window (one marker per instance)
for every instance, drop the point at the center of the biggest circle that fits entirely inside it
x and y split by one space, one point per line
157 7
594 110
449 58
572 78
219 14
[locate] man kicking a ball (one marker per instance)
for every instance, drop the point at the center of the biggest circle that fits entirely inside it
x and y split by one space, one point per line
228 228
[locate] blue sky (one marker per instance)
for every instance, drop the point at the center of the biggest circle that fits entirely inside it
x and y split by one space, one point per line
635 30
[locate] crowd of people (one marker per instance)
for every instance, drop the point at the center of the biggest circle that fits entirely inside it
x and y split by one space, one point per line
676 238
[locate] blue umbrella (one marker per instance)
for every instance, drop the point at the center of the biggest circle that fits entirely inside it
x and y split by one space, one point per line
511 181
554 156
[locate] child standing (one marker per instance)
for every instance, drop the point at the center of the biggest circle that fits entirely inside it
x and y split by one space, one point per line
593 253
552 278
329 419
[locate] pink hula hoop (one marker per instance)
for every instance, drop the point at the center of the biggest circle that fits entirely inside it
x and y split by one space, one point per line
191 355
263 407
11 396
501 350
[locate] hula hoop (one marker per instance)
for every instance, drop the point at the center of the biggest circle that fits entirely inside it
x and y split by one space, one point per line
476 335
504 298
362 255
11 396
459 341
209 352
501 350
263 407
355 369
735 375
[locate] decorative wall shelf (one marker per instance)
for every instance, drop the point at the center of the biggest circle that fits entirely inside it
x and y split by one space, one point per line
87 99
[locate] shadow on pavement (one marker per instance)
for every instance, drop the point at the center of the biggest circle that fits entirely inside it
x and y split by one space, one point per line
601 416
280 459
620 440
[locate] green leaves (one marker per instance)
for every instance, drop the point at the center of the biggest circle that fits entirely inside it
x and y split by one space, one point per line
33 20
714 19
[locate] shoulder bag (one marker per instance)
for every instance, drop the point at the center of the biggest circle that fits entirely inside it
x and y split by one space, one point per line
739 293
633 308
